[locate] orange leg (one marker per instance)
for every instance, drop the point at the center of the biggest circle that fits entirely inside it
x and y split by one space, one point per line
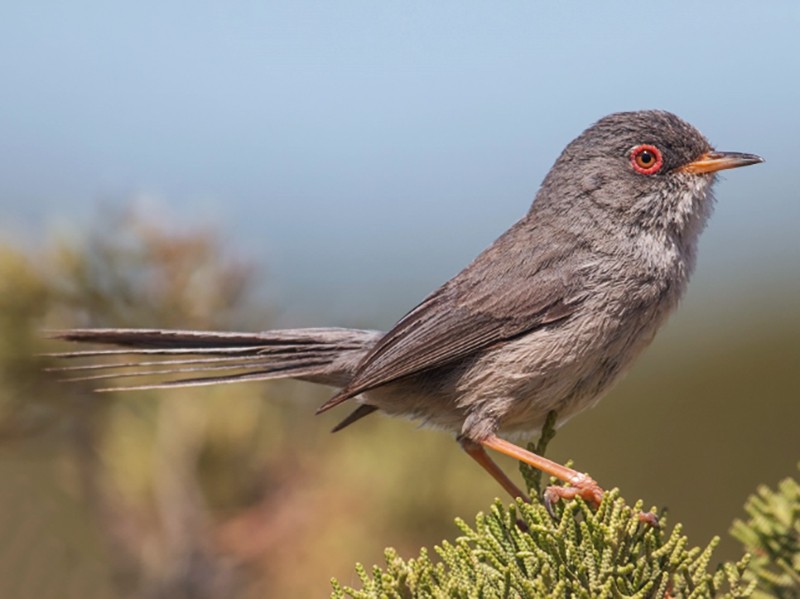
478 453
582 485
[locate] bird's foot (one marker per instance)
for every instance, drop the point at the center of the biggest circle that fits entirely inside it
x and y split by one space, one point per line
582 485
586 488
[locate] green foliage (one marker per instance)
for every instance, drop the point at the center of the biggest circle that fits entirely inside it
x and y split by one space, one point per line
772 536
521 551
524 551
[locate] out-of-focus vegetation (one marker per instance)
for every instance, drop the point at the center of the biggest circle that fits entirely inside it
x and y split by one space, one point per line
239 491
772 535
203 493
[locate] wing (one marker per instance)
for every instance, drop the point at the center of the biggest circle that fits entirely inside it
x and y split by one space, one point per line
515 286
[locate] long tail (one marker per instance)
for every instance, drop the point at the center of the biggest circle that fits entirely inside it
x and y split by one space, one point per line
192 358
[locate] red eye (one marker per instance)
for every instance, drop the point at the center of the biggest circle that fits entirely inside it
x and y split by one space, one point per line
646 159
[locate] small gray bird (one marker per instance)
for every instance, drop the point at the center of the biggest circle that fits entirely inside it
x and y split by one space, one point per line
546 319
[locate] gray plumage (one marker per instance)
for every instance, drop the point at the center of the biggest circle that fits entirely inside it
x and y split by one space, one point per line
547 318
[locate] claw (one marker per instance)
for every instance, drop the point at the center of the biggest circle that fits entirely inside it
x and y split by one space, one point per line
549 497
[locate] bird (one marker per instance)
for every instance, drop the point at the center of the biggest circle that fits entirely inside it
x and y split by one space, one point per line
546 319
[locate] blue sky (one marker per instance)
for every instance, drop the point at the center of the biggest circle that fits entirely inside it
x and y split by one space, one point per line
364 152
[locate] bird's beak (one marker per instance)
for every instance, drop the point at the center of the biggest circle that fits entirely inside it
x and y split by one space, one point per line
711 162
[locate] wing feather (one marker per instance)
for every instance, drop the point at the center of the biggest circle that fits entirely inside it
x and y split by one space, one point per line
514 287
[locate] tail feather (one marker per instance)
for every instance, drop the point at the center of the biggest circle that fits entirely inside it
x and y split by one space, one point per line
269 367
143 363
186 340
242 377
323 355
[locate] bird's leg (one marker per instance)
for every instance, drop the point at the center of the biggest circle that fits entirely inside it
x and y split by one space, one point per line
478 453
582 485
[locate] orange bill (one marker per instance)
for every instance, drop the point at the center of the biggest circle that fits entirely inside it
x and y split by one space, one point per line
711 162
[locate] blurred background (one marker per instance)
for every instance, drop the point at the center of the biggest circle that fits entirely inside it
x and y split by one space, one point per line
248 165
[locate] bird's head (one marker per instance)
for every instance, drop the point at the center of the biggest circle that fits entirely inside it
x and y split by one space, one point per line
646 169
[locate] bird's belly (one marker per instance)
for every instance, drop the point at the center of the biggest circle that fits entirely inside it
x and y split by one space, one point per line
564 371
513 386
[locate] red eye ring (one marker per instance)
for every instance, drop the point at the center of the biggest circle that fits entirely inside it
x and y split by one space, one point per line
646 159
